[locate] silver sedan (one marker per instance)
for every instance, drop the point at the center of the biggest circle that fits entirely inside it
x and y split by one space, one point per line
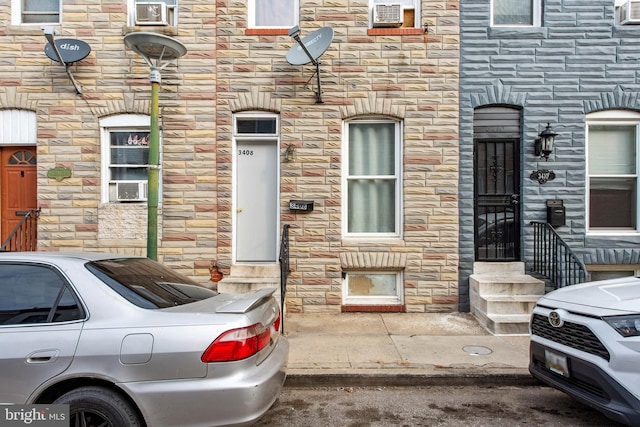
125 341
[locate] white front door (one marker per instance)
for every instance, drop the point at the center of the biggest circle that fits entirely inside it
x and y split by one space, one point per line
256 222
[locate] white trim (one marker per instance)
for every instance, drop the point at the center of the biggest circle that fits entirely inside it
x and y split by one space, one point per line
397 299
266 137
18 127
16 15
251 16
536 18
614 118
119 123
416 5
398 176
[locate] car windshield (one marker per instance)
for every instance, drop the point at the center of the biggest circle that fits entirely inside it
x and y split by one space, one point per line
148 284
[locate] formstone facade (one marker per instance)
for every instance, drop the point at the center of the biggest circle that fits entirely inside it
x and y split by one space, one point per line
409 75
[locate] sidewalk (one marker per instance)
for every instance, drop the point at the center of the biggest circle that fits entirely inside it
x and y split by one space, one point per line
384 349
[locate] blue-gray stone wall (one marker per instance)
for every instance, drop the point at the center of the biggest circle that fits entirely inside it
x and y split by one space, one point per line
579 61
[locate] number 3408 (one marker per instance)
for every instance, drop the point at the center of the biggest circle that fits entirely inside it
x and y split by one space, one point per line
245 152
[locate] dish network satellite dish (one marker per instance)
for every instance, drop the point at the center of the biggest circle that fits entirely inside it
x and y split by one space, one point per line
309 49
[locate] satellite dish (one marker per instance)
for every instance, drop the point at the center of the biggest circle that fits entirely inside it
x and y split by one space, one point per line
315 44
71 50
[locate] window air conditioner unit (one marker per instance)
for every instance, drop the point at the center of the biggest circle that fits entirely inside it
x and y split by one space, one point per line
152 14
387 15
629 12
132 191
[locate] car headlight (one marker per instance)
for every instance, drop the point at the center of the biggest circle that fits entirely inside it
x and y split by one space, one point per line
627 326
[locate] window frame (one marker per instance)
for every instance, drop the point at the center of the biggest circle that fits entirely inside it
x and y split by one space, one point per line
612 118
536 16
397 299
172 11
251 16
397 176
17 12
122 123
417 12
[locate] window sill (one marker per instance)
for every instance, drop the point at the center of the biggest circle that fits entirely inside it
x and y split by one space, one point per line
517 32
167 30
266 32
395 31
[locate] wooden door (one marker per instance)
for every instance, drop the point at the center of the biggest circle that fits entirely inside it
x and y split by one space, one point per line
18 182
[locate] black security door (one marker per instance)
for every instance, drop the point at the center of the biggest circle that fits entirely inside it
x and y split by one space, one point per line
497 197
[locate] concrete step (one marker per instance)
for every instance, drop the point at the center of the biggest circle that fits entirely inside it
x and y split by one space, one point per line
507 304
245 285
504 324
517 284
498 268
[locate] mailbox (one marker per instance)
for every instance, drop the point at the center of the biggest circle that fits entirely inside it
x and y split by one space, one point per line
555 213
301 205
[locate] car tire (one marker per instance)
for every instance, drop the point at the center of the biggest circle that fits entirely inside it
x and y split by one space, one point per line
99 406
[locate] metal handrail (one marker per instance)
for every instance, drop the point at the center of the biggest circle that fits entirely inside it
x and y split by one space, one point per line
554 259
24 236
285 269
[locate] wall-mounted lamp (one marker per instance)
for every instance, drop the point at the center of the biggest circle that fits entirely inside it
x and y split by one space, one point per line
544 144
543 148
288 153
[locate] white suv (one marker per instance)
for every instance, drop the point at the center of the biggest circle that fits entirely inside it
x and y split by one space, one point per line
585 341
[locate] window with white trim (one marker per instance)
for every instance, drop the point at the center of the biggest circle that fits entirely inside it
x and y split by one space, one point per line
516 13
35 11
612 271
372 288
125 148
612 171
273 13
394 13
153 12
372 171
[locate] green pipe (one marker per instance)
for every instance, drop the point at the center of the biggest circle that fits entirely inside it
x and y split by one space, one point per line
153 178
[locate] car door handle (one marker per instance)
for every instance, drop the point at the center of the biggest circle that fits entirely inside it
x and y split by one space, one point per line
43 356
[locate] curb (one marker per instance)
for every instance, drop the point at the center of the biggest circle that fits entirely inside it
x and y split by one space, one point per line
405 380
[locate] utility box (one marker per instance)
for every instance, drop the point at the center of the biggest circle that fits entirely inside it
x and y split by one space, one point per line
556 215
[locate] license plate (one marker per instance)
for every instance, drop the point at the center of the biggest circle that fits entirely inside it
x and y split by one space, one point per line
556 363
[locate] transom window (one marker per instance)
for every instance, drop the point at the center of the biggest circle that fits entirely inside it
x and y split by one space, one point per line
273 13
372 175
612 171
35 12
516 13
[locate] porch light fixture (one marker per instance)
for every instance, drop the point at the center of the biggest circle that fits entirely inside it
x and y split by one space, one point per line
543 147
158 51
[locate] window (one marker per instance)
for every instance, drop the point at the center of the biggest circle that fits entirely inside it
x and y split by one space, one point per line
148 284
516 13
125 142
35 294
372 162
395 13
372 288
612 171
273 13
612 271
153 12
35 12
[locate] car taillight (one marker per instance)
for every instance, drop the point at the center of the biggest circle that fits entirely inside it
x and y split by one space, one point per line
238 344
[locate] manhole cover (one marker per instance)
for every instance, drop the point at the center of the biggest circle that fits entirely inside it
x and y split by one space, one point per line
477 350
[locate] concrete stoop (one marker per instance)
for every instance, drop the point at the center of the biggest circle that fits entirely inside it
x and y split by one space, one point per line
246 279
502 297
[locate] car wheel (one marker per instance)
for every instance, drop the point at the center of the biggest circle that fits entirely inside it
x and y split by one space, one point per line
97 406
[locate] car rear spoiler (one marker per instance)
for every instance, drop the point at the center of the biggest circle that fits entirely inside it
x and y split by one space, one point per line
248 302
